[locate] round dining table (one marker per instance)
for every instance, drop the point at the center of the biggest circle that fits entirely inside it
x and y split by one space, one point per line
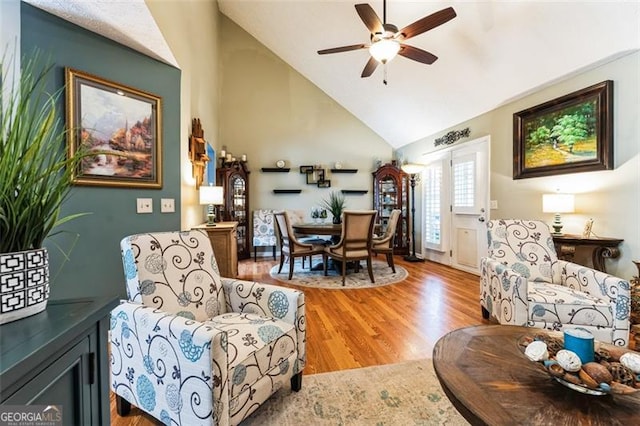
317 228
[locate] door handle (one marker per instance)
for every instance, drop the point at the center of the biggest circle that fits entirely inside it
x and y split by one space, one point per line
481 219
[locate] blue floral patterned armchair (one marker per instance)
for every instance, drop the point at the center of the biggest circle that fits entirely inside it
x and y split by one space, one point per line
264 231
522 282
192 348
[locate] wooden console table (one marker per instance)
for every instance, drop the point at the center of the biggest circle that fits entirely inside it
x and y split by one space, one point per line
225 246
602 248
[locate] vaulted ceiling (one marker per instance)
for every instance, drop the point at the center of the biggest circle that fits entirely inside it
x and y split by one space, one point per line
493 52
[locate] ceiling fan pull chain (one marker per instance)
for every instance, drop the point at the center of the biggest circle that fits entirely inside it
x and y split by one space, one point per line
384 78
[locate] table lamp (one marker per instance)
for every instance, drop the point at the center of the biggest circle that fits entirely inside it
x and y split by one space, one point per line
557 203
210 196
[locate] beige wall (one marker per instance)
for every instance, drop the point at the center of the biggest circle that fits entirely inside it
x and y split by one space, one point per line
611 198
269 111
191 30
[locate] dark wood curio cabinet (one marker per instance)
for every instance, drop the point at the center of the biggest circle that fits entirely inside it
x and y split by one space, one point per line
234 178
391 191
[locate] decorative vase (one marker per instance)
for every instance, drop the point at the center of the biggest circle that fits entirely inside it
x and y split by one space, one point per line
337 220
24 284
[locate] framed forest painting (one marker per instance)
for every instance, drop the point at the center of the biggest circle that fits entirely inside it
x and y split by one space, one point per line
570 134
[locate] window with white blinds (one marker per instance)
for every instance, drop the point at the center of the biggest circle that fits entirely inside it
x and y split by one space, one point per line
432 186
464 184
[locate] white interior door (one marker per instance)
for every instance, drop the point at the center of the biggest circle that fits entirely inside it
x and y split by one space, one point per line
456 200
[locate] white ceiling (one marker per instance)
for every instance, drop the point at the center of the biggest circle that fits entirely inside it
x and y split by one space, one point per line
491 53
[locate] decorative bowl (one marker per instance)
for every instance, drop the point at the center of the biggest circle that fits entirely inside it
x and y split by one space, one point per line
610 376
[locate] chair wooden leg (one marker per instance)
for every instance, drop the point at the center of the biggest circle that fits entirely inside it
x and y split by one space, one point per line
310 262
123 407
390 262
370 268
274 252
325 262
291 262
281 262
296 382
344 270
255 254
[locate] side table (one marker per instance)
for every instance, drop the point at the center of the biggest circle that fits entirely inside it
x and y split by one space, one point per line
602 248
225 246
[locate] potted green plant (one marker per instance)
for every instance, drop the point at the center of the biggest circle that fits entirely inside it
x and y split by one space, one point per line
35 179
335 204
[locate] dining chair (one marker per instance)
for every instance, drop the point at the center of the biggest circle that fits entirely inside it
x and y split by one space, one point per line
290 246
384 244
355 241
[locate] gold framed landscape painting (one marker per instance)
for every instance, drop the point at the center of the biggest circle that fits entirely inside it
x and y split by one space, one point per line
121 124
570 134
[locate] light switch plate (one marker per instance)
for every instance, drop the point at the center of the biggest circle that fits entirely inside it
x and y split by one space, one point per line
494 204
144 205
167 205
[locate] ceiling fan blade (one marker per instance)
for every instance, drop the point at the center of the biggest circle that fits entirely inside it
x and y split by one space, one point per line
417 54
370 18
427 23
371 66
342 49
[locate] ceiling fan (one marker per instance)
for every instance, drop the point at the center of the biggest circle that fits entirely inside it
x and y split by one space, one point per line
387 41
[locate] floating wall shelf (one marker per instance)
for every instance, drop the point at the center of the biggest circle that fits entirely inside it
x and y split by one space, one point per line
275 170
287 191
354 191
344 170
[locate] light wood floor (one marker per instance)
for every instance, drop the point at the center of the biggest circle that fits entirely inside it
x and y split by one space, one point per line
366 327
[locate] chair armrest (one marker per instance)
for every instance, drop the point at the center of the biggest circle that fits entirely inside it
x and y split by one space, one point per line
503 292
160 362
599 284
269 300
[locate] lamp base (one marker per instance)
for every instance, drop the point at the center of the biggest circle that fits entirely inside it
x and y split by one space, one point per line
413 258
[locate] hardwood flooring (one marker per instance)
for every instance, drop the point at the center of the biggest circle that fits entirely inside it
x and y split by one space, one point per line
366 327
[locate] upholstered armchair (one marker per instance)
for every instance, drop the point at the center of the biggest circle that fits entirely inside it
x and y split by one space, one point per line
189 347
264 231
523 282
384 243
355 241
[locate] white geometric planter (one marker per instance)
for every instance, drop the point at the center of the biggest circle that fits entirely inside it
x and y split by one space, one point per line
24 284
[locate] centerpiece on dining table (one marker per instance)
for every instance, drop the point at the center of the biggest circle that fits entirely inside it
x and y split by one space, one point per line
336 205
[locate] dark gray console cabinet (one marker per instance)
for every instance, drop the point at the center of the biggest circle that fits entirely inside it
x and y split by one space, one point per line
60 357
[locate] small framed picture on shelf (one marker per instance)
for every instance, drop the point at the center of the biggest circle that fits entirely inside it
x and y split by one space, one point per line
324 184
314 176
306 169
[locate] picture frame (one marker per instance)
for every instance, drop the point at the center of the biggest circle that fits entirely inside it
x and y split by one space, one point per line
314 176
587 229
324 183
306 169
122 124
569 134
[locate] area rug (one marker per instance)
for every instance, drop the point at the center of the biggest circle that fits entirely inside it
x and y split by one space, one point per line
315 278
396 394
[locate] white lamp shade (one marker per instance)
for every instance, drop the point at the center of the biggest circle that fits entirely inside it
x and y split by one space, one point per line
211 195
412 169
558 203
384 50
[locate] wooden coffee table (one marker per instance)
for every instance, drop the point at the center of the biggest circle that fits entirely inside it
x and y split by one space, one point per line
490 381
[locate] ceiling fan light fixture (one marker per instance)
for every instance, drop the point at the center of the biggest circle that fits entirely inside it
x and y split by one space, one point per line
384 50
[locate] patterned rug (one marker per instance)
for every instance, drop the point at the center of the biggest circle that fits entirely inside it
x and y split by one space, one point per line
315 278
397 394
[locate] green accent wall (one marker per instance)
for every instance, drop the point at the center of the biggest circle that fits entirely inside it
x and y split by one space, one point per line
94 266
